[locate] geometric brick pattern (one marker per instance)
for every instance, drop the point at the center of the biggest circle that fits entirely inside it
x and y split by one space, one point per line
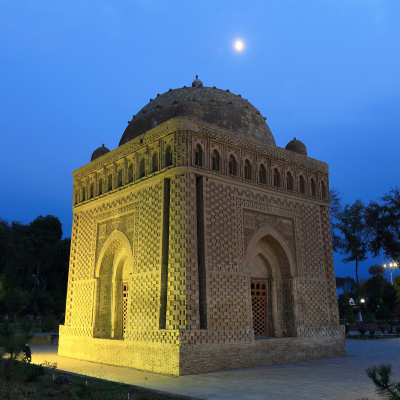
299 299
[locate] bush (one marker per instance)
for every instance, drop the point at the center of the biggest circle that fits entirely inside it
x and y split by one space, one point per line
63 380
397 330
382 328
372 333
33 372
362 330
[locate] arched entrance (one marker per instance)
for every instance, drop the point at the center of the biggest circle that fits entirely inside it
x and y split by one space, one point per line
270 269
113 269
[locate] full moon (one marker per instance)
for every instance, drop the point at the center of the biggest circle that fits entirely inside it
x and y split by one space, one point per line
239 45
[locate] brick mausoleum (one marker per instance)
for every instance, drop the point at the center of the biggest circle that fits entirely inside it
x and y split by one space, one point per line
199 245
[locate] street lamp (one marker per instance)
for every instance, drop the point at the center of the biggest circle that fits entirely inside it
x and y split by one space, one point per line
391 267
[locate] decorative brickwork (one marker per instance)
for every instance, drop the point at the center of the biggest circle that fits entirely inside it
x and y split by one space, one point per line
163 259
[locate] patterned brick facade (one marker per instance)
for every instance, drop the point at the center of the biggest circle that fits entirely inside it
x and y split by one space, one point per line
187 241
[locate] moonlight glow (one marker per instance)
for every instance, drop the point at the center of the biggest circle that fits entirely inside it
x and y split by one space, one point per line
239 45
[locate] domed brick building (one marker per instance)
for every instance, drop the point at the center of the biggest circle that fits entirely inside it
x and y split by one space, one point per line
199 245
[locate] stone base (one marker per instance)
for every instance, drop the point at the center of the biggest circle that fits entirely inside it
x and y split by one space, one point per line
154 357
173 359
203 358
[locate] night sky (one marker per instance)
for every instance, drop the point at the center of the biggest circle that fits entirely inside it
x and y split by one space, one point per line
73 73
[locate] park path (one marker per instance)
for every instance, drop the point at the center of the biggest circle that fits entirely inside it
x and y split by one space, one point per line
338 378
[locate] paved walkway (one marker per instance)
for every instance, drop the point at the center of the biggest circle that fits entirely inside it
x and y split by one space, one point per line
338 378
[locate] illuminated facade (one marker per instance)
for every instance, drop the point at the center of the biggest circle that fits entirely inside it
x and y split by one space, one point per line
198 240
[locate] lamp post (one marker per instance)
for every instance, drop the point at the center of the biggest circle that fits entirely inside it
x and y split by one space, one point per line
392 265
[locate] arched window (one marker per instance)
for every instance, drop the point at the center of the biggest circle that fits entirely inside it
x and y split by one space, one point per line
323 190
313 187
155 162
91 190
215 161
83 194
198 156
289 181
130 172
100 186
247 170
119 178
302 185
168 156
110 182
262 174
142 168
277 178
232 165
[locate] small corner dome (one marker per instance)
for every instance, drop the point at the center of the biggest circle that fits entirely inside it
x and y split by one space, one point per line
99 152
189 108
297 146
197 82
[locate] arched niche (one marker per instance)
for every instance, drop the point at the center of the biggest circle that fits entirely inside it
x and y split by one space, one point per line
270 268
113 268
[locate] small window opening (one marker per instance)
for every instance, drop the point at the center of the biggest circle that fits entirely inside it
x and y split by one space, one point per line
289 181
119 178
155 162
247 170
323 190
262 174
91 190
110 182
130 172
142 168
101 186
232 165
198 156
302 185
313 192
215 161
277 178
168 156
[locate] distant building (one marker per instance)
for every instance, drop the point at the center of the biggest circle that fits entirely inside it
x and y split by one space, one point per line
198 240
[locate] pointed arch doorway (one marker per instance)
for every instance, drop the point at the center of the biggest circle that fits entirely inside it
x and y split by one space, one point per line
270 268
113 270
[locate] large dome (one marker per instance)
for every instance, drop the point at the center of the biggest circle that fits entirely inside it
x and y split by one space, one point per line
215 106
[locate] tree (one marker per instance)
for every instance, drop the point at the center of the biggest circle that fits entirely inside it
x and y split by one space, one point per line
389 296
383 225
348 284
351 238
376 270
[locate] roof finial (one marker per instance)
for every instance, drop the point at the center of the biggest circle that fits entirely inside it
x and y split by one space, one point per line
197 82
103 144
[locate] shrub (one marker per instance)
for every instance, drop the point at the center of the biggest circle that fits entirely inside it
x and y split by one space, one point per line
372 333
63 380
397 330
362 330
33 372
382 328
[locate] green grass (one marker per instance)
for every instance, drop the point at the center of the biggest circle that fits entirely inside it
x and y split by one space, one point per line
80 388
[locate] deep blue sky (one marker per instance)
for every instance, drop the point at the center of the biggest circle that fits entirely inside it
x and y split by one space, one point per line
73 73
